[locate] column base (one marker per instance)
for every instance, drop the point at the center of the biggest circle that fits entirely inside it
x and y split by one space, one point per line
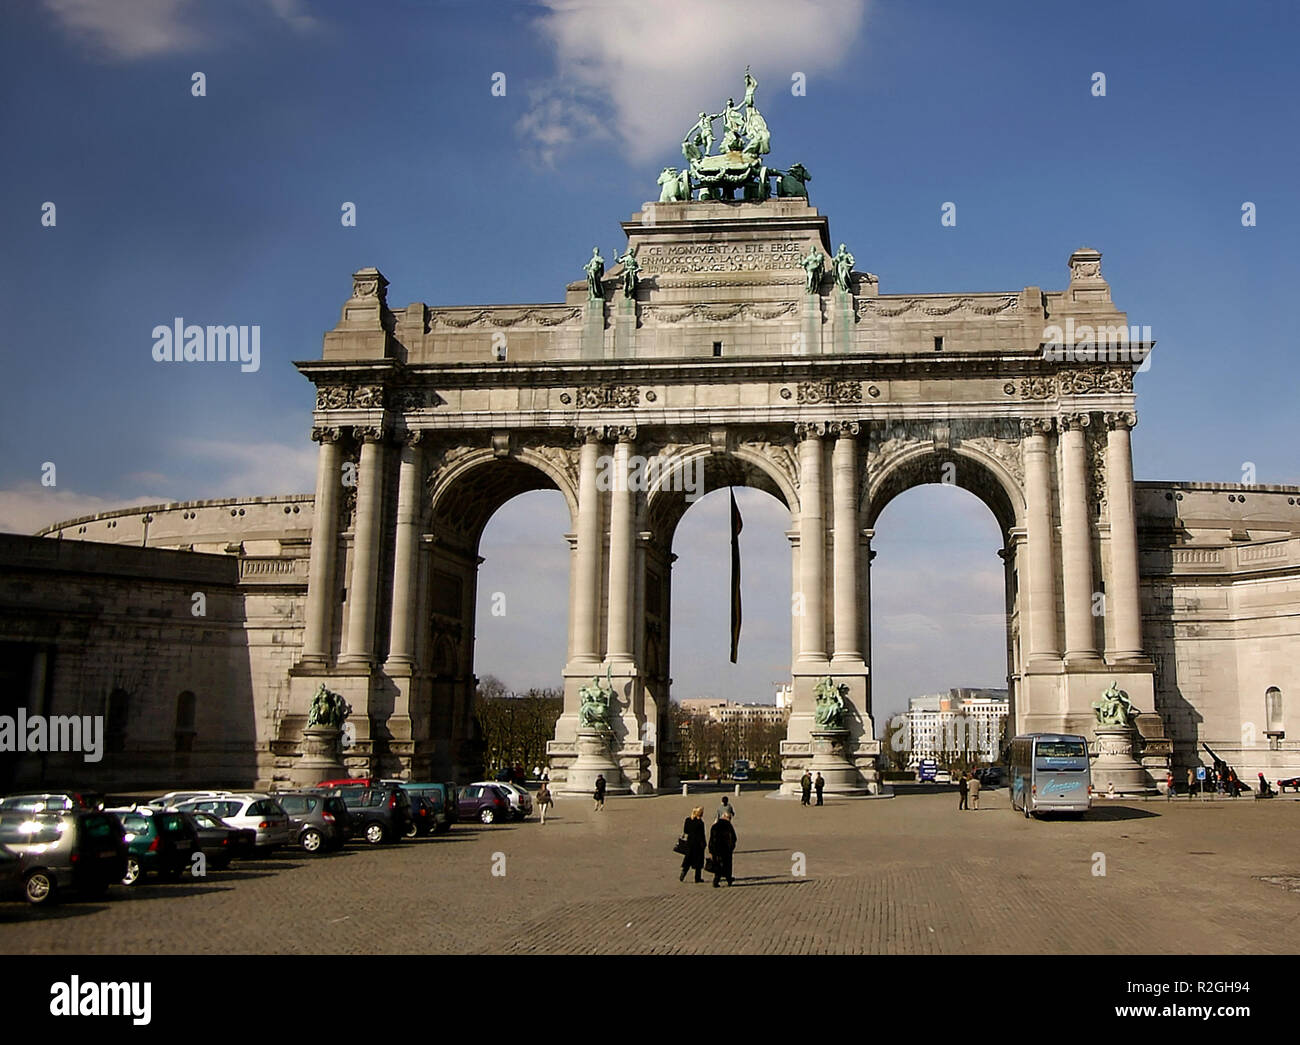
1083 657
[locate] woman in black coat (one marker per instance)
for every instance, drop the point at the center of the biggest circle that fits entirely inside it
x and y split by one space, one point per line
722 843
693 829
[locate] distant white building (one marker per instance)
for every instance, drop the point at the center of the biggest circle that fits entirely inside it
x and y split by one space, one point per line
962 720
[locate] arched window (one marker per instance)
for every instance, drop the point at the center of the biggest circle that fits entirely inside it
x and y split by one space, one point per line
1273 709
185 715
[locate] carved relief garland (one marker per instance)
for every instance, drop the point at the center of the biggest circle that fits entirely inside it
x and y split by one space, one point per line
829 391
343 397
1097 379
617 397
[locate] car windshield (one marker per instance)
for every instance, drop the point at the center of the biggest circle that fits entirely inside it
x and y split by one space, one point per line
1060 749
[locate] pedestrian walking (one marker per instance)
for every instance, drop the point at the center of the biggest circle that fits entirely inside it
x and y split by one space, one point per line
726 809
544 800
1169 785
1218 782
963 788
600 793
975 786
722 845
805 786
1190 777
820 784
693 836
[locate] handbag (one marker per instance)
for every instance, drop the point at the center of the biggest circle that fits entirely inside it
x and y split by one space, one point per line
683 846
710 866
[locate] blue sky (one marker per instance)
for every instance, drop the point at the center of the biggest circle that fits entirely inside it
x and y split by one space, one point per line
225 209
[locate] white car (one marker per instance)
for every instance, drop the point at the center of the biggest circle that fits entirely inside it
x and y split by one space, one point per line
521 802
172 798
258 812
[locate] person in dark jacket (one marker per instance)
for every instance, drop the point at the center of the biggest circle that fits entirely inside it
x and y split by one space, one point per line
693 829
722 844
599 793
963 787
821 786
805 786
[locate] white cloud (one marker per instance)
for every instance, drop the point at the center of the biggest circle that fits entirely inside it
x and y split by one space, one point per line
28 507
132 29
649 68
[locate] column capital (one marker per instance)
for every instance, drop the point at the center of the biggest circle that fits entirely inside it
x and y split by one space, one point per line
809 429
326 434
589 433
413 437
1076 421
369 433
1126 419
1032 426
623 433
843 429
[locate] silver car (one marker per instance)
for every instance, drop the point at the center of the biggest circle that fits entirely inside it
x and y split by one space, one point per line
262 813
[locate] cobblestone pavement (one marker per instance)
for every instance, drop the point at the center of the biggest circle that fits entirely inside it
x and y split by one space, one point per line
909 875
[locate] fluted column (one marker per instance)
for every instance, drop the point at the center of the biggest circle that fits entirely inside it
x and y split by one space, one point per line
586 595
812 544
401 644
1076 541
844 479
622 548
321 595
1041 582
1123 593
363 587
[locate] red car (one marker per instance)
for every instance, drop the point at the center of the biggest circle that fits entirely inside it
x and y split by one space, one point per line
349 782
1292 782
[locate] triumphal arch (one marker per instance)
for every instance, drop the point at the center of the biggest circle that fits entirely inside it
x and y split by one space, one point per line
733 343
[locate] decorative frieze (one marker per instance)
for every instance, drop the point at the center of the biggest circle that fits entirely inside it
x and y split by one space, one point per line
829 391
346 397
1037 388
887 308
718 313
413 398
1095 379
608 397
460 319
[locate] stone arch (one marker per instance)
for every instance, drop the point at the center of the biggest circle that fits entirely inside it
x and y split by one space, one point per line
973 469
467 490
739 466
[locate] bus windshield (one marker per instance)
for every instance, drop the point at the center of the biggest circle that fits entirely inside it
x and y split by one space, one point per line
1060 749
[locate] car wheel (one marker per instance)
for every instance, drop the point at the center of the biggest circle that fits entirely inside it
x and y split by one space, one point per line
39 888
375 833
312 841
134 872
412 830
488 816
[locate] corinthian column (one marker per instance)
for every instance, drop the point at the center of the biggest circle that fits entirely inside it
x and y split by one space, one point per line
1123 598
321 597
1043 640
401 643
622 547
1076 541
586 594
844 478
363 593
812 544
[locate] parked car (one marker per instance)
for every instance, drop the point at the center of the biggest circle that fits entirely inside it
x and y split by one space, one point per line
991 776
377 814
81 851
257 811
521 802
317 822
46 801
220 842
11 874
442 797
487 803
1290 782
347 782
158 841
173 798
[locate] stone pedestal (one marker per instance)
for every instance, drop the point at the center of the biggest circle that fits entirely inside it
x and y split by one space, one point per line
322 757
829 748
1117 764
594 759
